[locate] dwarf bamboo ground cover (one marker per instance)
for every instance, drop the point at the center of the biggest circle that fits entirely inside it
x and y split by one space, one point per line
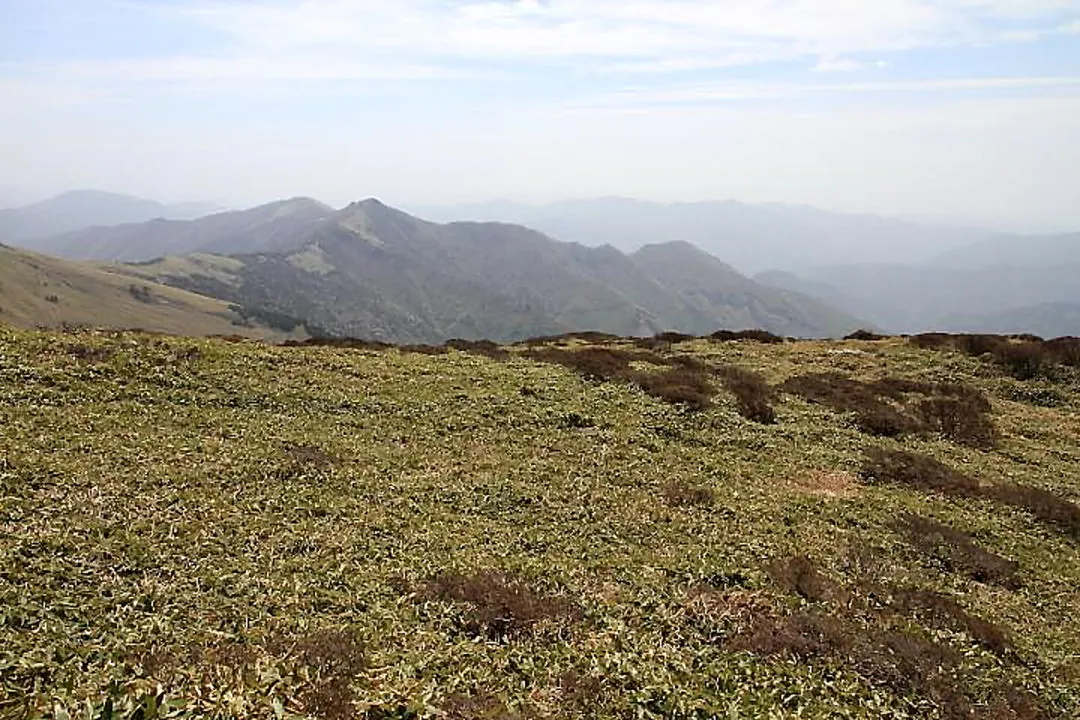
202 528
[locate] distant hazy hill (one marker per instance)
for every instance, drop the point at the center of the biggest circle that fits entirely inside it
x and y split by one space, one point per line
373 271
1046 320
36 290
1015 251
276 226
753 238
914 298
86 208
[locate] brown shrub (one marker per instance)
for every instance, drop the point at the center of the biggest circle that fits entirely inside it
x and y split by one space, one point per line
500 607
977 345
1064 350
678 386
1023 356
424 349
334 658
341 343
579 691
484 348
864 335
872 415
800 575
681 494
588 336
881 420
476 707
941 610
761 336
917 471
1012 703
752 394
962 420
310 455
88 353
1046 506
957 550
957 411
802 636
931 341
1024 361
904 661
663 341
682 383
591 363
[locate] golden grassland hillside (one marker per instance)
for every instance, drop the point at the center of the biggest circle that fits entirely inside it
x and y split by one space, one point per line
37 290
581 526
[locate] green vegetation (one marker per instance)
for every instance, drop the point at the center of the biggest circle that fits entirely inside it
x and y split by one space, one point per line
573 527
36 290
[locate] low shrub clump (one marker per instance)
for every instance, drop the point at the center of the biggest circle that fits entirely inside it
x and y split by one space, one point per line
938 610
486 348
677 386
681 383
918 471
883 408
865 335
925 473
752 394
500 607
957 550
761 336
681 494
801 576
1044 505
663 340
1024 357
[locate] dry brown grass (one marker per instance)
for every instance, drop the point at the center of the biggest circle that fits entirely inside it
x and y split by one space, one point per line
831 484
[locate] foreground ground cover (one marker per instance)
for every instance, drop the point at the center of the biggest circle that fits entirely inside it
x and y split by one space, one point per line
680 528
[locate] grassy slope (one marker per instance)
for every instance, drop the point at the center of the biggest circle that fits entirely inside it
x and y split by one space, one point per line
154 523
37 290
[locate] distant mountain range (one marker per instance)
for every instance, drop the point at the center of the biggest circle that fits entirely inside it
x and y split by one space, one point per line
87 208
372 271
752 238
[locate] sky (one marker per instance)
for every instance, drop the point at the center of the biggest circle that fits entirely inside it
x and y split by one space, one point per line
965 110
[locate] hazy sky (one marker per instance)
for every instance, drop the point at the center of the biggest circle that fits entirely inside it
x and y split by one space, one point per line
967 108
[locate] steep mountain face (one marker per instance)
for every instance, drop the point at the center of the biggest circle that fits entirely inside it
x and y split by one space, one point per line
376 272
267 228
752 238
84 209
36 290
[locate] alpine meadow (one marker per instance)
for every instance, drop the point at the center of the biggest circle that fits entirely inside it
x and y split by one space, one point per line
574 526
539 360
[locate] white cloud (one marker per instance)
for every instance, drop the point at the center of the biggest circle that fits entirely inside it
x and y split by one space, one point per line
711 93
609 35
837 64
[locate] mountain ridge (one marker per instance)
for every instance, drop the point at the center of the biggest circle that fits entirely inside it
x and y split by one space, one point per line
375 271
